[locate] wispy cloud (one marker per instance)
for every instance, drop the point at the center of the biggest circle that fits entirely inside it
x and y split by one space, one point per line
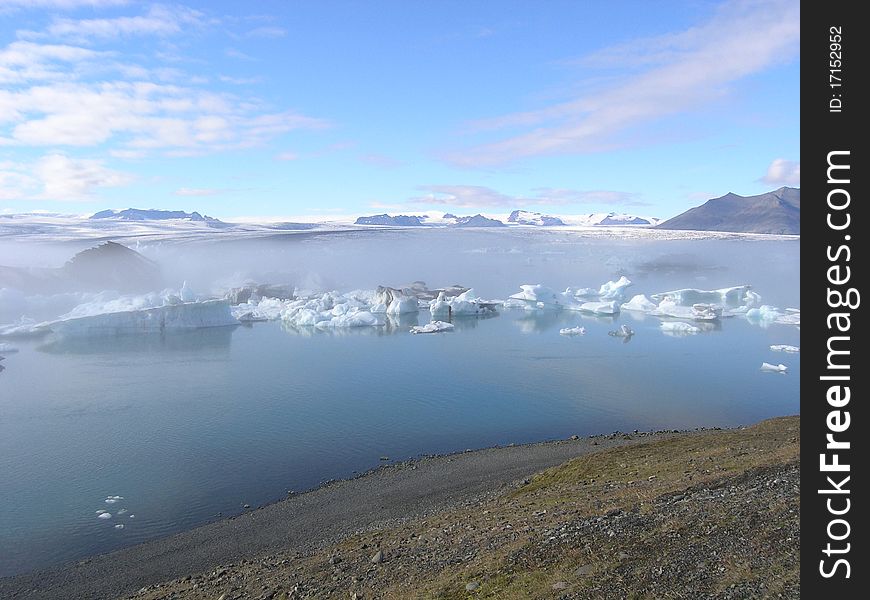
140 116
681 72
266 32
238 54
783 172
59 4
58 177
479 196
159 20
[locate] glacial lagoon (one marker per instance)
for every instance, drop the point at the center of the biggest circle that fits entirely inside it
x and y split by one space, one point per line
168 431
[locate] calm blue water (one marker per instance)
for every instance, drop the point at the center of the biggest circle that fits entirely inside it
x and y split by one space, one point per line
189 426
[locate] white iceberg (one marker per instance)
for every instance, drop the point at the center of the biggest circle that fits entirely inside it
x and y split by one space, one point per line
780 368
573 331
598 308
614 290
624 332
186 315
785 348
394 302
678 328
432 327
735 299
535 296
640 303
119 526
465 304
104 515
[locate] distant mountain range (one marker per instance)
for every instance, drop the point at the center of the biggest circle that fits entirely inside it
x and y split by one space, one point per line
152 214
517 217
778 212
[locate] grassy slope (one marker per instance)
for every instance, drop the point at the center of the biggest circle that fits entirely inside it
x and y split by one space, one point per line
712 514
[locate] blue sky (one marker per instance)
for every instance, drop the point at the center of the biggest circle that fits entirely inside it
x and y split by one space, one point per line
327 107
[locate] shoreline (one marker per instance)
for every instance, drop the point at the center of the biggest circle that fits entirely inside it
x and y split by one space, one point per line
382 498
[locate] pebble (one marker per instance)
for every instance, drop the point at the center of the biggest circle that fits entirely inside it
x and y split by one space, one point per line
560 585
623 555
378 557
584 571
470 587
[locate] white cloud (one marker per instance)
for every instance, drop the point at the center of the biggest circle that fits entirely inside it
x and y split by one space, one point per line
160 20
782 172
480 196
140 116
57 177
287 156
59 4
266 32
686 70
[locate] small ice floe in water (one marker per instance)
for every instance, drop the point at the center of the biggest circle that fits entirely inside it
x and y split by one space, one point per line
113 499
119 526
132 516
104 515
625 332
785 348
433 327
123 511
573 331
101 511
780 368
679 328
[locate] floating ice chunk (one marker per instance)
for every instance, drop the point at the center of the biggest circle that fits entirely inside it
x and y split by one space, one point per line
465 304
624 332
119 526
536 296
599 308
132 516
791 317
785 348
679 328
614 290
573 331
738 298
764 312
640 303
780 368
432 327
186 294
101 511
104 515
123 511
394 302
582 292
113 499
190 315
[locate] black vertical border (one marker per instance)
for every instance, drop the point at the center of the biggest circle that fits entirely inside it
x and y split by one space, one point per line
824 131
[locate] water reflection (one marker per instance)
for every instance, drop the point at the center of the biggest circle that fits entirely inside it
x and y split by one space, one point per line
194 340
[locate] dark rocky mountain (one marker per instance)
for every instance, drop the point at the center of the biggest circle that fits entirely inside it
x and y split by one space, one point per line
524 217
152 214
109 266
776 212
477 221
385 219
